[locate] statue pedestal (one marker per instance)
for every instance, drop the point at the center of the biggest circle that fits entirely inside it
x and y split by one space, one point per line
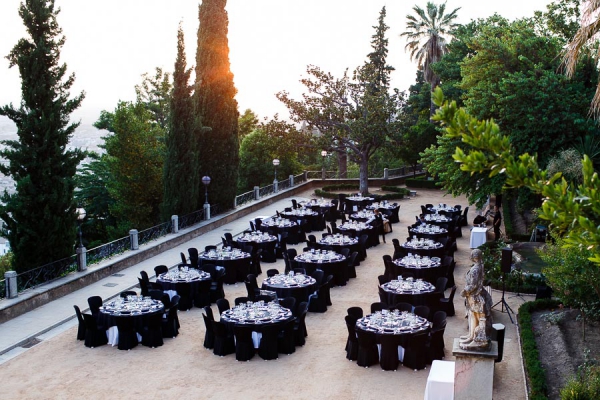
474 372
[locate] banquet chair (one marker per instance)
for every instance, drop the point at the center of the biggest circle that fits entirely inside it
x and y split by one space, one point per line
223 305
209 248
95 302
224 343
383 279
463 217
204 294
356 312
439 320
144 276
229 239
193 252
143 287
244 346
209 336
216 291
166 300
390 352
241 300
300 331
378 306
286 342
252 286
94 336
160 269
155 294
422 311
81 327
362 243
350 271
312 238
152 333
450 274
318 275
185 296
272 272
440 285
394 218
292 253
367 349
268 348
390 267
289 303
446 304
252 226
384 297
318 302
128 338
294 204
436 338
352 341
402 306
398 250
184 262
124 294
416 353
170 325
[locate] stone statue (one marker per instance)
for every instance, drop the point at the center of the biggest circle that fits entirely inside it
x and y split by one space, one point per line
479 306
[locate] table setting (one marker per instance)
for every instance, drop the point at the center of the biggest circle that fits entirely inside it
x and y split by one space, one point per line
428 231
329 261
409 290
235 261
299 286
423 247
392 323
437 218
421 267
186 275
260 240
136 307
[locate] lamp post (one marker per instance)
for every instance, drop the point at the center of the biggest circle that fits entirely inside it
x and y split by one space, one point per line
323 174
275 183
206 182
80 251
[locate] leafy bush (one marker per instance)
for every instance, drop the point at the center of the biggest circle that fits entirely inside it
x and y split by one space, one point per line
572 276
5 263
516 280
326 191
531 357
583 386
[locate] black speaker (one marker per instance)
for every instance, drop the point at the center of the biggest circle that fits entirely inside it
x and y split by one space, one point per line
506 263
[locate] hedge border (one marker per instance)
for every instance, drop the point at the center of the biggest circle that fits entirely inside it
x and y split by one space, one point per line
421 183
399 192
536 375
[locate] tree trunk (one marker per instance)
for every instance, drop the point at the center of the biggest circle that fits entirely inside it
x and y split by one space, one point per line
342 164
364 175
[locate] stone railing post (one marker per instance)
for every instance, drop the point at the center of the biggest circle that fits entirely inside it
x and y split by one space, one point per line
10 280
256 193
133 238
386 173
305 173
81 254
175 223
291 180
206 211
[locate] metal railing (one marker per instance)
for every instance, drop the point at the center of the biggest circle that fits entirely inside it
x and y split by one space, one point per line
154 232
266 190
299 178
108 250
45 274
243 198
190 219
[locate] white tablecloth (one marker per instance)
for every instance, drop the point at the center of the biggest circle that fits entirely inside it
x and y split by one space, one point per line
440 383
478 237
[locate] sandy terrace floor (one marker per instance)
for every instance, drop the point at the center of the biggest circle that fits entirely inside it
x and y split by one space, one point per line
62 368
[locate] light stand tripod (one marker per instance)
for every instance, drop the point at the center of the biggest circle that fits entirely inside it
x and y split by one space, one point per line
518 285
503 302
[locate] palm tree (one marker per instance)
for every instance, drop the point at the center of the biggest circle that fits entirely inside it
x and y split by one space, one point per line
427 34
578 47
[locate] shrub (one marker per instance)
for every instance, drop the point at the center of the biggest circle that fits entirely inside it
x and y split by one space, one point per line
531 358
583 386
421 182
398 192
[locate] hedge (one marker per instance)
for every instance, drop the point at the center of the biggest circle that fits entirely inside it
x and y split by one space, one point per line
421 183
398 192
531 356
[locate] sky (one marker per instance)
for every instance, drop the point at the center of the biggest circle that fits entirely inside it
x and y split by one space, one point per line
111 43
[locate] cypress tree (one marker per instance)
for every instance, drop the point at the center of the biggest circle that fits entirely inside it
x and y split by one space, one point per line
40 214
181 179
214 99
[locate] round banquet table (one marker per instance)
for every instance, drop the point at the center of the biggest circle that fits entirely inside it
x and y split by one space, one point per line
415 292
132 307
236 263
257 315
437 219
299 286
444 209
259 240
432 232
403 325
357 229
426 268
393 207
423 247
331 263
280 225
359 202
306 214
338 241
190 277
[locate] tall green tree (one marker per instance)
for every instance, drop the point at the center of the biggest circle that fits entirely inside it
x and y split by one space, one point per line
181 178
135 154
40 216
215 103
247 122
428 33
353 113
155 93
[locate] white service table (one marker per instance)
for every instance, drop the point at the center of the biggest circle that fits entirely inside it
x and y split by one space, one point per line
440 382
478 237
